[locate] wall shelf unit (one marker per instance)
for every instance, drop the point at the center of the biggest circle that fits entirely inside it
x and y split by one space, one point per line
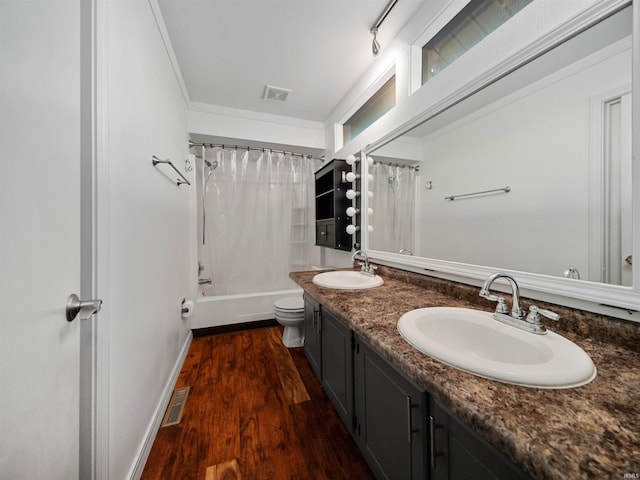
331 206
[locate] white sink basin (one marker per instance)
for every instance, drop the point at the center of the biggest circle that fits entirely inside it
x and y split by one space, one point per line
347 280
474 341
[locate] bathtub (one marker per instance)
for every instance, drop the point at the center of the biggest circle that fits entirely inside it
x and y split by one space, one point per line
242 308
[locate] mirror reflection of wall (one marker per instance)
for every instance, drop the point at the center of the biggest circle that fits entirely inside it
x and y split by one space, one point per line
560 141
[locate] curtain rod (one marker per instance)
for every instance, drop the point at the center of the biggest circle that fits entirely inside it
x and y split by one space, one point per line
255 149
416 167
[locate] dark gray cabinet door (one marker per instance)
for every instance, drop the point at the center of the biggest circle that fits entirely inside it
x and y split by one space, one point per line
337 365
312 334
457 453
325 233
390 412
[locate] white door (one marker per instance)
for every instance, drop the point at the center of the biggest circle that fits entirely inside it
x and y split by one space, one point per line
40 238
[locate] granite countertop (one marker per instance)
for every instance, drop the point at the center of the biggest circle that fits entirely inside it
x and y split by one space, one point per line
591 431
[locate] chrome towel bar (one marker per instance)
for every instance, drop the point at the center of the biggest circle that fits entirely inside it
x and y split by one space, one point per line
179 181
453 197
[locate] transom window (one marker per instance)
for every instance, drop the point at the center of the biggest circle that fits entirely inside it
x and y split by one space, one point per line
380 103
474 22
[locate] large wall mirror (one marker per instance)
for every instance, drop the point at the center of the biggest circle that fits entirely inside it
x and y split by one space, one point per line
531 174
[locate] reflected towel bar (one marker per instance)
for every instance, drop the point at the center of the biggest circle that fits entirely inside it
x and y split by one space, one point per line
179 181
453 197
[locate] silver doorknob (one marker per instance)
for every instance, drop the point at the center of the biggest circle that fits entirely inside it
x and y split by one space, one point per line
84 310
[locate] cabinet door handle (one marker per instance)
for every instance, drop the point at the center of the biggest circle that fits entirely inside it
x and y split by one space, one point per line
316 321
409 427
432 441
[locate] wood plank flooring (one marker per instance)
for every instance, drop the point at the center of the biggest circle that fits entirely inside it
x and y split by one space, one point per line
255 411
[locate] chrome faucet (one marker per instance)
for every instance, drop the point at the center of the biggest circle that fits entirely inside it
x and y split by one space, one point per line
502 307
516 317
366 268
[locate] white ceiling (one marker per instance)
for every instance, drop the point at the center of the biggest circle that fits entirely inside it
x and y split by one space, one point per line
229 50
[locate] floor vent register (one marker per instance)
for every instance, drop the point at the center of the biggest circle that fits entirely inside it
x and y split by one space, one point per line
176 407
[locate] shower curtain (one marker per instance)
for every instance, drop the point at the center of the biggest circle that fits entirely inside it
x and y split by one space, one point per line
257 208
393 207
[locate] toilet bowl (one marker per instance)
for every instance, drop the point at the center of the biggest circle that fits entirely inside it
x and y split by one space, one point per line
289 313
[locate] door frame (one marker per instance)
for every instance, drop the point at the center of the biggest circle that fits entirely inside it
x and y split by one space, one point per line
598 176
94 228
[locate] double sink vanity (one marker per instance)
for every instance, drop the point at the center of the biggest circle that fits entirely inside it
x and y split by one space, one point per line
431 385
442 380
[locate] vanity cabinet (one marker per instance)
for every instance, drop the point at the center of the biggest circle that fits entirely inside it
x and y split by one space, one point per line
337 365
383 410
401 431
331 206
458 453
312 334
390 417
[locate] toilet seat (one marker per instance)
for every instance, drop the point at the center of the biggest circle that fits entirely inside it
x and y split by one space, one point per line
290 313
289 304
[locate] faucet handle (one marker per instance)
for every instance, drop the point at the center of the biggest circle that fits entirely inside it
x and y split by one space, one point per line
485 294
535 312
502 304
533 318
368 269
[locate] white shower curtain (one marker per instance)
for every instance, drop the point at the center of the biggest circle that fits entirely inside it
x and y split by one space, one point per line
258 205
393 206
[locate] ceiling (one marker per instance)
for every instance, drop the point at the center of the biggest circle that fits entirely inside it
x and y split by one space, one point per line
228 51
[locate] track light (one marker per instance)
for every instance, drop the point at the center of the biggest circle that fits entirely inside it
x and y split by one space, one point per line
375 46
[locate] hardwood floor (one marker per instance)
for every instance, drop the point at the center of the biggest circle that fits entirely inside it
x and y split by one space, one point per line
255 411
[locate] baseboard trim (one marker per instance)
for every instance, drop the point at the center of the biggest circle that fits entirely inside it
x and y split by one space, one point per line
235 327
154 426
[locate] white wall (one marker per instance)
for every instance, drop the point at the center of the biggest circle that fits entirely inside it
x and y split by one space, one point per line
260 127
150 246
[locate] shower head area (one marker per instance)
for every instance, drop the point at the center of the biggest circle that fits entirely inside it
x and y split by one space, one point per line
212 165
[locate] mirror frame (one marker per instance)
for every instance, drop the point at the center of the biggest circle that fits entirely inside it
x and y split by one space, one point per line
614 300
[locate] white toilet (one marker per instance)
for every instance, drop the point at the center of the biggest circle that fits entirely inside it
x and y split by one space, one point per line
290 314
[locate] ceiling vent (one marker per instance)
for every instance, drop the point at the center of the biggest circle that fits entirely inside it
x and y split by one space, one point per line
276 94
